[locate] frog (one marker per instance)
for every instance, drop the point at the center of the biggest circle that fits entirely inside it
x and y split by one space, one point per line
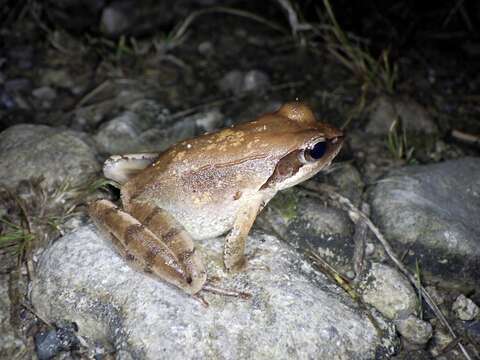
208 186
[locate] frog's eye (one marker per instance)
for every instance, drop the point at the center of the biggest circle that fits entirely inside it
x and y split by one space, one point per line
314 152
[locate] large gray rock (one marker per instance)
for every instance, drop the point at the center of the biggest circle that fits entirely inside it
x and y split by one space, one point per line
433 210
294 313
37 150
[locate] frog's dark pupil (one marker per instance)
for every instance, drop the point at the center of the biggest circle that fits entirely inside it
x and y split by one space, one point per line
318 150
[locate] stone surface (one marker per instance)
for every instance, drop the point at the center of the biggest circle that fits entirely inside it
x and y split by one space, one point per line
143 127
38 150
110 99
388 291
414 330
433 210
306 223
11 345
414 117
464 308
237 81
294 311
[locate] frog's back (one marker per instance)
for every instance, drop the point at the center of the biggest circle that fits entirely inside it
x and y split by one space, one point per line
203 181
240 157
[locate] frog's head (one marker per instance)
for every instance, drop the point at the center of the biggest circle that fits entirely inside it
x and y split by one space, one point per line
307 148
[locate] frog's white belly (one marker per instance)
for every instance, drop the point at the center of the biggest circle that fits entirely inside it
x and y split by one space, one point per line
210 220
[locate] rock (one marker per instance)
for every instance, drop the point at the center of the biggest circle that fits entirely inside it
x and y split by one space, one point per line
110 99
413 116
346 179
38 150
464 308
307 224
120 135
388 291
114 21
232 81
45 93
435 294
11 346
433 210
127 17
51 342
255 80
440 341
59 78
144 127
294 311
414 330
206 48
237 81
473 332
207 121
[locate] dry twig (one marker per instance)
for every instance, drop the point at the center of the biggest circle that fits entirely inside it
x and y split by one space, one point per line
466 138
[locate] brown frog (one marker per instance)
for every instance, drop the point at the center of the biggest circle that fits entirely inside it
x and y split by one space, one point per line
207 186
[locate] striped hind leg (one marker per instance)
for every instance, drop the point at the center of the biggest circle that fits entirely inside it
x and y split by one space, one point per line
164 225
146 249
173 235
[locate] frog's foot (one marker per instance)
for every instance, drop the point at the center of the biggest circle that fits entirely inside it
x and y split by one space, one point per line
250 263
226 292
208 287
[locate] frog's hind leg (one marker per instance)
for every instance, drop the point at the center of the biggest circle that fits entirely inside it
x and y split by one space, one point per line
142 247
175 237
164 225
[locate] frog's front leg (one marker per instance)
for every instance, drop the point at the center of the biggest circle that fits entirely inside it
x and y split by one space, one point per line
152 240
234 249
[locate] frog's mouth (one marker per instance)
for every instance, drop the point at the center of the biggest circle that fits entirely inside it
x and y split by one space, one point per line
302 164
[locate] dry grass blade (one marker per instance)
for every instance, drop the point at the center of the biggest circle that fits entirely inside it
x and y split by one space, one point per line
355 215
344 283
377 73
466 138
182 27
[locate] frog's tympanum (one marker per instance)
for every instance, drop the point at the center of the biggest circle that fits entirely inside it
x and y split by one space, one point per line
207 186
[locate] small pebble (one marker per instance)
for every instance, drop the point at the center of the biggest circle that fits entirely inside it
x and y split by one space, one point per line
464 308
414 330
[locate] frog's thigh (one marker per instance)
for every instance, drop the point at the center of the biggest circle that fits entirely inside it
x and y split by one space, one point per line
139 244
173 235
233 253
